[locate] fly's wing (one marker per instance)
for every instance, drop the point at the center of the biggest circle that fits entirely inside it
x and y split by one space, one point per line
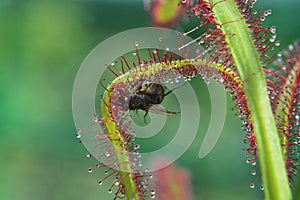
159 110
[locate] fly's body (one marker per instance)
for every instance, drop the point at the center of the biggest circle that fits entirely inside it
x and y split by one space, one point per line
149 98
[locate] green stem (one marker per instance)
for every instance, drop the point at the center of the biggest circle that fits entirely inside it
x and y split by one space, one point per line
247 62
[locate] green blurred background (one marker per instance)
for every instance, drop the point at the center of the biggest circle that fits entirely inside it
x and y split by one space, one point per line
42 44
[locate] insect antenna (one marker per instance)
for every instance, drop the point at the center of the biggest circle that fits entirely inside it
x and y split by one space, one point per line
174 89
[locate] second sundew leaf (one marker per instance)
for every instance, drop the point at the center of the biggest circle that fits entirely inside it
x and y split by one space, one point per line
284 89
246 60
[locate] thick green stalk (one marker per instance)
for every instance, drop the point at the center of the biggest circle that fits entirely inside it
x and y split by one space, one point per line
247 62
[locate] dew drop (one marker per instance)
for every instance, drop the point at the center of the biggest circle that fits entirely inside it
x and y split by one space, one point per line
88 155
261 187
110 191
277 43
136 44
140 164
272 39
273 29
252 185
117 183
90 170
253 172
284 67
183 1
100 182
78 135
267 12
291 47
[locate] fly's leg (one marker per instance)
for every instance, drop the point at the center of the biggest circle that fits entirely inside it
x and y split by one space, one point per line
146 113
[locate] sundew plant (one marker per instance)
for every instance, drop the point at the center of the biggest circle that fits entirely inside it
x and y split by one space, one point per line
240 54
